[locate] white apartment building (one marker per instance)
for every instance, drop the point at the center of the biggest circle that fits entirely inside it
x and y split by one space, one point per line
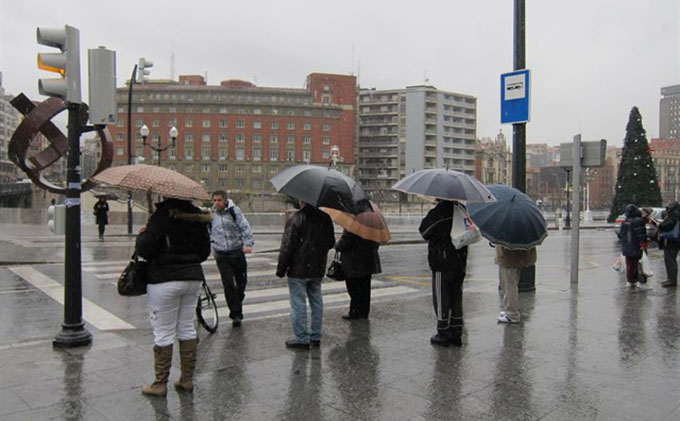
405 130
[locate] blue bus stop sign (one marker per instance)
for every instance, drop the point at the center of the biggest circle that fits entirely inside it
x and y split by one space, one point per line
515 98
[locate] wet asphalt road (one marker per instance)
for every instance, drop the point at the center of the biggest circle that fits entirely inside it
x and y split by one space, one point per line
596 350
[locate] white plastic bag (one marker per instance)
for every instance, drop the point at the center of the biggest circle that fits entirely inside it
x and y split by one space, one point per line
620 264
646 266
463 231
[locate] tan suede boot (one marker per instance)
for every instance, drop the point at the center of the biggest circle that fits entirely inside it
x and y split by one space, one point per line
162 359
187 354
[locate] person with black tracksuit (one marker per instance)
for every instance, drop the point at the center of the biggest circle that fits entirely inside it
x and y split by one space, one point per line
448 272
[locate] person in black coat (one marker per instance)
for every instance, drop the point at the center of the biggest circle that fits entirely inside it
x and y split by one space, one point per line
633 234
359 260
307 237
670 247
174 243
101 210
448 272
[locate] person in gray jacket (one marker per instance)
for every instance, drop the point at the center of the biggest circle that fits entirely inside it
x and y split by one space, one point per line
232 239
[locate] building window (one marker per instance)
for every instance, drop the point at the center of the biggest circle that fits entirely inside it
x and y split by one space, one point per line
222 137
257 184
223 123
290 139
273 169
188 153
156 123
326 154
223 110
120 151
222 182
222 168
206 123
119 136
290 125
189 123
240 124
290 155
119 122
172 153
306 126
273 138
189 168
273 155
326 140
205 168
274 124
205 137
223 152
172 122
156 138
240 154
257 154
256 168
326 127
306 140
240 137
257 124
139 123
240 168
206 110
257 111
140 109
188 137
205 153
239 182
257 137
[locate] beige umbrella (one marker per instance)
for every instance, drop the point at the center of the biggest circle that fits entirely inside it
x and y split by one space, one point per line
369 225
152 179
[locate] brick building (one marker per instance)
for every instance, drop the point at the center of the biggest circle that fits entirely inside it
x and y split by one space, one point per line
236 135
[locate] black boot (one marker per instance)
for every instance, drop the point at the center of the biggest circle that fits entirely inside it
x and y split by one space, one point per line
442 338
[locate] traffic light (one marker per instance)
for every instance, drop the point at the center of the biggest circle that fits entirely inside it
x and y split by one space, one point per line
142 71
102 85
56 219
66 63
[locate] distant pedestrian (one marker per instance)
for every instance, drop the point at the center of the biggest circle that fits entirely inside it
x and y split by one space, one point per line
307 237
101 211
510 264
359 260
448 272
174 243
669 246
232 239
633 235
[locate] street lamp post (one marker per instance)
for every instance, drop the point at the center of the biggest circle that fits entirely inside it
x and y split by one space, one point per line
144 131
129 143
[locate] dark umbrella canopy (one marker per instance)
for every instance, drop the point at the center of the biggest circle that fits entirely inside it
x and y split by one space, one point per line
441 183
319 186
512 221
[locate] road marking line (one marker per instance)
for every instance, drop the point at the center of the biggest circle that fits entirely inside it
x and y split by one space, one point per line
211 277
92 313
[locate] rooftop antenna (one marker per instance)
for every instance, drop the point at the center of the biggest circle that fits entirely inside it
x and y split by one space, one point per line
172 66
427 79
351 65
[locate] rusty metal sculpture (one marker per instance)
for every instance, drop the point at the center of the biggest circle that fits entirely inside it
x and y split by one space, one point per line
37 120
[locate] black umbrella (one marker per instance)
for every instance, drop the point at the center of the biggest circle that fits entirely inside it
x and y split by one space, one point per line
512 221
319 186
444 184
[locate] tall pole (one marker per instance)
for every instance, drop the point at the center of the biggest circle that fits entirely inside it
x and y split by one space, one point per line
519 130
129 143
575 232
73 332
567 221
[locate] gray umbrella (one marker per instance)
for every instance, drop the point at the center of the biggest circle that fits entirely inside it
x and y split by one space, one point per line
319 186
441 183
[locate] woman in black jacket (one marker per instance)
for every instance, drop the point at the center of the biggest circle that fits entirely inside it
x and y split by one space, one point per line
669 246
633 233
359 260
101 211
174 242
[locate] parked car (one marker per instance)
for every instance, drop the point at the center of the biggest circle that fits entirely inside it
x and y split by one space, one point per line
657 214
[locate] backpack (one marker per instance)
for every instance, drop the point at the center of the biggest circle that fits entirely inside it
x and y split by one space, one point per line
673 235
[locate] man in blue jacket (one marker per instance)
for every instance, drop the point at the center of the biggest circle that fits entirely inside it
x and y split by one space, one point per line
232 239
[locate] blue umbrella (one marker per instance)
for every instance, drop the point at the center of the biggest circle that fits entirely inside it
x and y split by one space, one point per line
512 221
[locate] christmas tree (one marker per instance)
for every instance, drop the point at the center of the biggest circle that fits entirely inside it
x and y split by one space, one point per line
636 181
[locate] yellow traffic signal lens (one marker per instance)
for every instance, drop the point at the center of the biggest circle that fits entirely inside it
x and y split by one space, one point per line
50 67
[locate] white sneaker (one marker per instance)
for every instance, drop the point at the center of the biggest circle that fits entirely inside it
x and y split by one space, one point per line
630 284
503 318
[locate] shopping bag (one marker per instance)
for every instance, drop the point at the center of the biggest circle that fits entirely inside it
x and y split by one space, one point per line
620 264
133 280
463 231
335 269
646 266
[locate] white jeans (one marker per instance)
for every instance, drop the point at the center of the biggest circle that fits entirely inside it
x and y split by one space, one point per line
509 280
171 307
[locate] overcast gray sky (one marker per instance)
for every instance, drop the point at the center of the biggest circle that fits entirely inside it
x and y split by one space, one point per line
591 60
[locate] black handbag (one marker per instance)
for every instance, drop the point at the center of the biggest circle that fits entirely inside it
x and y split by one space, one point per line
335 269
132 281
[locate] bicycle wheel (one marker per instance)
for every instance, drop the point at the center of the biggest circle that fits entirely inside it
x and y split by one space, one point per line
206 309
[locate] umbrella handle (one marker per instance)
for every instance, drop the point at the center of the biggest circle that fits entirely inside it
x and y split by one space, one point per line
149 202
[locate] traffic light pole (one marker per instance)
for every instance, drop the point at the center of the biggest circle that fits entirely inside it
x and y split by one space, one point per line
129 144
73 332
